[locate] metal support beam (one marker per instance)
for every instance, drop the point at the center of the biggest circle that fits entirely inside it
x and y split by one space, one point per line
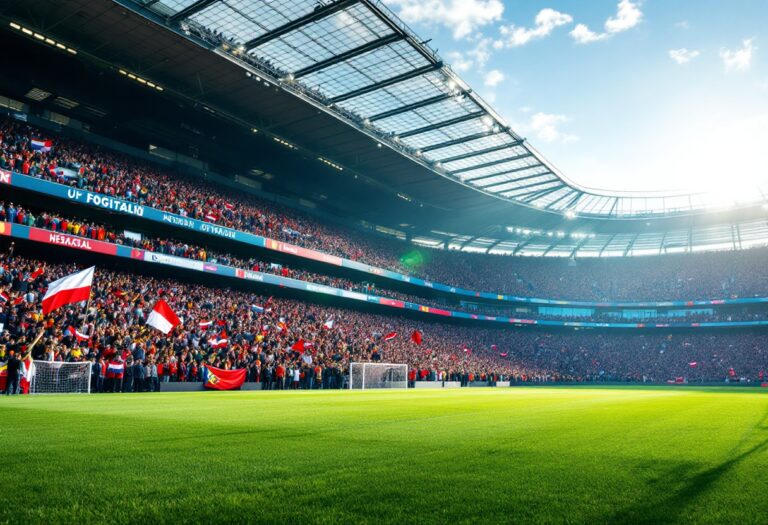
522 187
494 163
508 172
492 246
600 254
191 10
386 83
320 12
549 206
521 246
663 241
465 243
410 107
360 50
578 247
526 186
511 193
482 152
540 194
455 142
443 124
630 245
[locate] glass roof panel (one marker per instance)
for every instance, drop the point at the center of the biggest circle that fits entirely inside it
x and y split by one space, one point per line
486 157
321 40
364 70
434 113
469 127
480 144
398 95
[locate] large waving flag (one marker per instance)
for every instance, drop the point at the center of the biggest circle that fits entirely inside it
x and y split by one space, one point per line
416 337
390 336
163 317
219 379
43 145
73 288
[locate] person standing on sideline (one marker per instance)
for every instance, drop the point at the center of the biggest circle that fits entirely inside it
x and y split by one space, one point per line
13 368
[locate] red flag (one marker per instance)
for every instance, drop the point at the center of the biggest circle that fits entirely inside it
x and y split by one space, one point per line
219 379
732 372
416 337
37 273
390 336
503 354
221 322
693 364
18 300
299 346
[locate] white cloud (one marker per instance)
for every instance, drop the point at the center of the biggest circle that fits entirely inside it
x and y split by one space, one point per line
476 57
683 55
740 59
583 35
546 21
546 127
628 15
682 24
459 62
462 17
493 78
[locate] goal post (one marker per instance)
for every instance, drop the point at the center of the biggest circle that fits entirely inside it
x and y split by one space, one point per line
56 377
364 376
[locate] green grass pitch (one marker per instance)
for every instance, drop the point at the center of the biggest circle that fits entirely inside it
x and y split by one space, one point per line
538 455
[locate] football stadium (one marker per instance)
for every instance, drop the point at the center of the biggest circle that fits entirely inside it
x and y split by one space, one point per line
383 261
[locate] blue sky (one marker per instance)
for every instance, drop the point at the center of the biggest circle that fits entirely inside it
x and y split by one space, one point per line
619 95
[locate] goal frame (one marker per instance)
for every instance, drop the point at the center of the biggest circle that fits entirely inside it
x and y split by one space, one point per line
365 365
39 365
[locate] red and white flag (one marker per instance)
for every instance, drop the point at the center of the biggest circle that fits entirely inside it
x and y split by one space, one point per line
4 298
390 336
328 324
163 317
204 325
73 288
693 364
210 217
220 341
73 332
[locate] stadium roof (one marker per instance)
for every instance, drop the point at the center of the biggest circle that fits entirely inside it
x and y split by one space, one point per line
389 186
358 59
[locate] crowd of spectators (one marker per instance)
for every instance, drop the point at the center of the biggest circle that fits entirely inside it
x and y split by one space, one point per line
18 214
262 332
714 275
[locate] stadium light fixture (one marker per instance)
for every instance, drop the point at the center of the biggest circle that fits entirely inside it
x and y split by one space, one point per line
42 38
570 214
140 80
330 163
284 143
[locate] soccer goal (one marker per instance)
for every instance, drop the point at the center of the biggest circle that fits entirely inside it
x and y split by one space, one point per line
55 377
363 376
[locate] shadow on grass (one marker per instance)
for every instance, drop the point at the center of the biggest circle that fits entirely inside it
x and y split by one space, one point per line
668 508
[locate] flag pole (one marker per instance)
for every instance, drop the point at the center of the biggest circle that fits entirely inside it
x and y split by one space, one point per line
85 314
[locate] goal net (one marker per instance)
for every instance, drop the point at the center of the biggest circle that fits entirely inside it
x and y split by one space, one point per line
363 376
54 377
